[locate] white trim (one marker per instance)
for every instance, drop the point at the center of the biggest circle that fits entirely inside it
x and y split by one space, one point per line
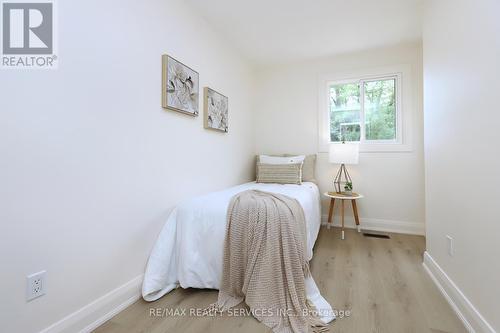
93 315
400 227
464 309
405 107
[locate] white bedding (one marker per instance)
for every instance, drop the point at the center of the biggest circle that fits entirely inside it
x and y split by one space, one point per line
189 249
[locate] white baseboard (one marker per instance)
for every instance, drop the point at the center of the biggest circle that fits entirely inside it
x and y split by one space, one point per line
466 312
99 311
400 227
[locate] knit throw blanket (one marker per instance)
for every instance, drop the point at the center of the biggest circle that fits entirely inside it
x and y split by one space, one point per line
265 262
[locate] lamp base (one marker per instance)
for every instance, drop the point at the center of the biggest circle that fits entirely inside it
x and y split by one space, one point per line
341 179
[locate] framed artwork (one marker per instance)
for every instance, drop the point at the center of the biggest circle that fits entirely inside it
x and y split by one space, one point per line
180 87
216 110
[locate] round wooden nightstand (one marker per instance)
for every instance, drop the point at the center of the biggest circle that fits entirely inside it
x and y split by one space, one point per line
342 197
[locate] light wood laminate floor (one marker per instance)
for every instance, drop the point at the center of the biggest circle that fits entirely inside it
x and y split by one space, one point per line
380 281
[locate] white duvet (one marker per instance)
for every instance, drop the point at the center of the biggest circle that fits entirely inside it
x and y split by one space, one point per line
189 249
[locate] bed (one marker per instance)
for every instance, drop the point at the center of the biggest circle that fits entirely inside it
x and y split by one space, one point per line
189 249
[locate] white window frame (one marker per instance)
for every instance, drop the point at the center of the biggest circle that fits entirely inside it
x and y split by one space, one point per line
404 107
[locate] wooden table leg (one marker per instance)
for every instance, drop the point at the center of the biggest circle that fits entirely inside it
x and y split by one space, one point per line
330 213
342 213
356 217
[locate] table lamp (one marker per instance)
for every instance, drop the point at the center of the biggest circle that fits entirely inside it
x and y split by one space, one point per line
343 153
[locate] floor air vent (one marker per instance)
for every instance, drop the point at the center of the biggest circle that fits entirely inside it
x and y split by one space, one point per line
376 235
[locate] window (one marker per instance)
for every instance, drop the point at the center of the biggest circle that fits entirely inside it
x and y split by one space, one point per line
364 110
372 106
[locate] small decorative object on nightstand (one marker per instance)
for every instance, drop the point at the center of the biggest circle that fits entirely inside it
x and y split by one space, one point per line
342 197
343 153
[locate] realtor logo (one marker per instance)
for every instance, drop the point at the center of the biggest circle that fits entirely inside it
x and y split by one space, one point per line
28 34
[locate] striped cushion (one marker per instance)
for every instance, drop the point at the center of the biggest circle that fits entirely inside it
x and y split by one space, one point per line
308 168
279 173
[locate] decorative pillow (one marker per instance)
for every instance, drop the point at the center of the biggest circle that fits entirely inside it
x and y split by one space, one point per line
266 159
308 168
279 173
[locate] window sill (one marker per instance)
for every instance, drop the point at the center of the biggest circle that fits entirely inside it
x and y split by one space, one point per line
376 148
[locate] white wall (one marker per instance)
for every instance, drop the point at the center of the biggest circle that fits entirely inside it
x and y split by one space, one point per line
462 161
91 164
287 121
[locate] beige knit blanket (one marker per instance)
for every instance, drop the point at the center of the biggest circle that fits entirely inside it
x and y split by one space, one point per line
265 262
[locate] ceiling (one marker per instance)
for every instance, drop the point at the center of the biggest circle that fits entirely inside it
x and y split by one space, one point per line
273 31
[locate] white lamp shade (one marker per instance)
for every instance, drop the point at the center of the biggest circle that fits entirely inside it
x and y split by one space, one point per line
344 153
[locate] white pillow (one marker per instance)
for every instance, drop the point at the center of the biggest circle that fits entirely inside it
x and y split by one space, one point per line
265 159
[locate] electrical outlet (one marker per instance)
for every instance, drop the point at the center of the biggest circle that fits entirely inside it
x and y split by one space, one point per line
36 285
451 250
